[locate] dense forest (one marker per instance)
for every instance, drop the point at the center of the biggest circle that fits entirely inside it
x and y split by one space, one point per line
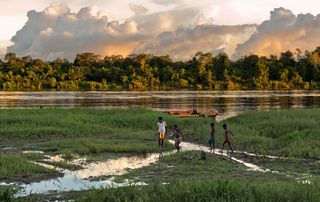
148 72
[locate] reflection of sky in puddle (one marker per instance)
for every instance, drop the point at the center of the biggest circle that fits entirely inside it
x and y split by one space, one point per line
78 180
66 183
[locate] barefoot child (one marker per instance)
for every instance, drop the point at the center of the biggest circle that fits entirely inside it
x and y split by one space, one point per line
162 130
178 136
212 139
227 134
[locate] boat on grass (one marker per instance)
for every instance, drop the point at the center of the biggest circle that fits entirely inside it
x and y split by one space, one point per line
191 113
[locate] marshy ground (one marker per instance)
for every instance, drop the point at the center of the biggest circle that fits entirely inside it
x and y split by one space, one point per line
73 140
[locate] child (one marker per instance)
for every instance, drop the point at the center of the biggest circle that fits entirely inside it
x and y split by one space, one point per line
162 130
212 139
178 136
227 134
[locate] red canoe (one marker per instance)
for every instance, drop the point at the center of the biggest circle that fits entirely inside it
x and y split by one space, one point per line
182 112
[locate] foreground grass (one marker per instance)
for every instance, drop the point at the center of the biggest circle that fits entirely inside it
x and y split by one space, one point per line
189 165
17 167
89 131
222 190
283 132
296 167
83 131
293 133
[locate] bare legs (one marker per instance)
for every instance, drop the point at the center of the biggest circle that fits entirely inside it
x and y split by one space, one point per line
228 144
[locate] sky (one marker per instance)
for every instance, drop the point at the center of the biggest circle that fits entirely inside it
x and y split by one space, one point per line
53 28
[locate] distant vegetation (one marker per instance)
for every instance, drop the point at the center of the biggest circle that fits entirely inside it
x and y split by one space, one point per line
148 72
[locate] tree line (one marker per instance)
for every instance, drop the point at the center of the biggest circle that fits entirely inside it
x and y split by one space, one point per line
148 72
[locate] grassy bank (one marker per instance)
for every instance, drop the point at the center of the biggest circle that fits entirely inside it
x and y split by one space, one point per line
222 190
84 131
293 133
96 132
17 167
190 165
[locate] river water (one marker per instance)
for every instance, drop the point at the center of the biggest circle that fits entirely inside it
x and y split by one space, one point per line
227 103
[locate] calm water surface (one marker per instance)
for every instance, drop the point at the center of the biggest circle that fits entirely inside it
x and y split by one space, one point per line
228 103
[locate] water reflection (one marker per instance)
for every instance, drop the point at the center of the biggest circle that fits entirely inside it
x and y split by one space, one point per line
226 102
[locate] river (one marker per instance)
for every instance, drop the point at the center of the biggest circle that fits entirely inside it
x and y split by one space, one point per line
227 103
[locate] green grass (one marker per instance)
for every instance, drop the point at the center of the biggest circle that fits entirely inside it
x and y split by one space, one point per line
7 193
17 167
221 190
188 165
86 131
281 132
94 131
293 166
38 124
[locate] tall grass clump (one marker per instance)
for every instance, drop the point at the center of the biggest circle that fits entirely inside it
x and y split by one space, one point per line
18 167
222 190
86 131
294 132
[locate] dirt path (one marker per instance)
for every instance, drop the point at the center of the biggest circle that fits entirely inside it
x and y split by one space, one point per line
187 146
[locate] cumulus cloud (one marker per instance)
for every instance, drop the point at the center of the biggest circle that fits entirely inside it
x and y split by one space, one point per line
283 31
138 9
168 20
183 43
167 2
58 32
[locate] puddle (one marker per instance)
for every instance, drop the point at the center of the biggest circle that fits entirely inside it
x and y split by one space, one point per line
79 179
69 182
6 184
59 158
32 152
118 166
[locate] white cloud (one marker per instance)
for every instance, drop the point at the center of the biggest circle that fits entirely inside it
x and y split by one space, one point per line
138 9
283 31
58 32
167 2
183 43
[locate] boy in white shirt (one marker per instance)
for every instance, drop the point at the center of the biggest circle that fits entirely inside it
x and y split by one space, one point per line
162 130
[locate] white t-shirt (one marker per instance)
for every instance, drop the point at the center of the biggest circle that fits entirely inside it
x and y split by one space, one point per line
162 126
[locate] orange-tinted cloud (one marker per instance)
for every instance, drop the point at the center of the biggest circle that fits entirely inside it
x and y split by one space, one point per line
283 31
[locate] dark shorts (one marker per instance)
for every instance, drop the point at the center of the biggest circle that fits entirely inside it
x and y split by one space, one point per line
177 140
212 141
